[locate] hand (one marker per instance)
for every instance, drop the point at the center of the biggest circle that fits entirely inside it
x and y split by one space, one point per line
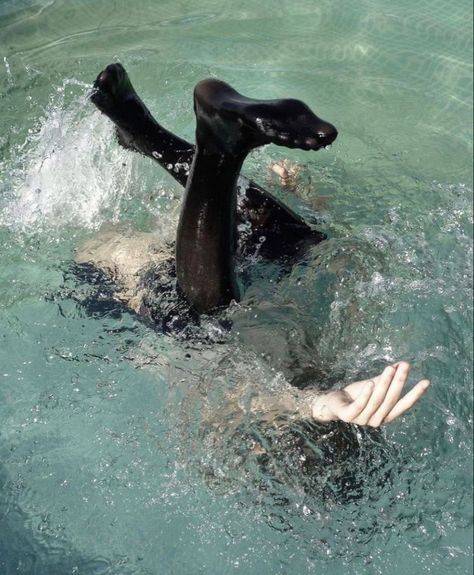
372 402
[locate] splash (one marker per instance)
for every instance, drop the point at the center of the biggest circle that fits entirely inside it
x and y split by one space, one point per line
66 172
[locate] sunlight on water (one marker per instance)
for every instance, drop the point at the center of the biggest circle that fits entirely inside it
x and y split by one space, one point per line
126 450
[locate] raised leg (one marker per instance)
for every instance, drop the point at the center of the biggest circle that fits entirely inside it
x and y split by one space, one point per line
228 127
137 130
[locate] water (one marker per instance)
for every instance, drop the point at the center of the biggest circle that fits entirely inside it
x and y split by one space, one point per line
119 452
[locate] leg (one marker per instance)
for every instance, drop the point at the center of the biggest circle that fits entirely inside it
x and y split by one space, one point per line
228 127
137 130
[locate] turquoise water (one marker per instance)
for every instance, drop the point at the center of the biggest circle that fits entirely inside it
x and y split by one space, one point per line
117 454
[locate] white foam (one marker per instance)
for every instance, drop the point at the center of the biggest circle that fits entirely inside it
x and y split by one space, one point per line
67 172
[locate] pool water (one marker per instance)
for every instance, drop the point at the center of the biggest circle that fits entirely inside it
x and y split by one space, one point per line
119 450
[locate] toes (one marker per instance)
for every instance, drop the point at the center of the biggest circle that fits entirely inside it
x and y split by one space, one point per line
107 79
110 79
104 88
311 142
111 88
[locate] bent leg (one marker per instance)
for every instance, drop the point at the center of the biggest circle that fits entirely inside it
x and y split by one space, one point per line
137 130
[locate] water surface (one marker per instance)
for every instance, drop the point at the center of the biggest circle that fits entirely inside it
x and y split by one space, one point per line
110 461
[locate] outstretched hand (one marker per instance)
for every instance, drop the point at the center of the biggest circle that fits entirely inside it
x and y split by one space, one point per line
372 402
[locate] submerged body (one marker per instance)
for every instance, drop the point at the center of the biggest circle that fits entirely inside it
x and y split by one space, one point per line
229 126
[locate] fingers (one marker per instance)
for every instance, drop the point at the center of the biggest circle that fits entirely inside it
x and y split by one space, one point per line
392 396
372 402
407 401
382 384
350 412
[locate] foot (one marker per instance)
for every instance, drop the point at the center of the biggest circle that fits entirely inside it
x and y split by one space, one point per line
112 89
240 124
135 127
114 95
372 402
